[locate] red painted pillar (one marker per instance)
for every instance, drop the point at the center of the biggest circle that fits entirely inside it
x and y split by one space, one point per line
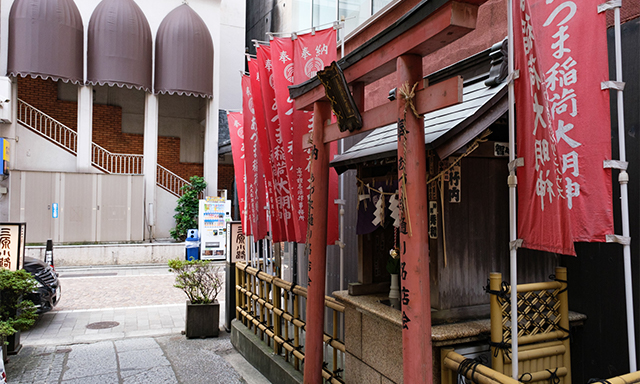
414 246
318 203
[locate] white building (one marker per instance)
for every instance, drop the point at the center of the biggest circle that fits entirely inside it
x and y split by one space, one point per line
108 103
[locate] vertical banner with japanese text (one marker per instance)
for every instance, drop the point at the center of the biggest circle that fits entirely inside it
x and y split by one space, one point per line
256 192
543 217
265 151
312 53
236 134
277 145
297 159
563 123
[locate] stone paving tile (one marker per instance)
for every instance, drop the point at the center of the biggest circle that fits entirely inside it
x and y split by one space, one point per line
90 360
60 348
118 291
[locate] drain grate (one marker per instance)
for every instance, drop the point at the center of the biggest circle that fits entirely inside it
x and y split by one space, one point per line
103 325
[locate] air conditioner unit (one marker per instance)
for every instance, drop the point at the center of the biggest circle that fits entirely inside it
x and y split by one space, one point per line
5 100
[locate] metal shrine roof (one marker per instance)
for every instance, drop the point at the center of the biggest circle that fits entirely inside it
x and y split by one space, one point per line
457 125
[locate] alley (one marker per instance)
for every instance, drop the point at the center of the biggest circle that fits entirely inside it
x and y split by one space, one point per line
123 325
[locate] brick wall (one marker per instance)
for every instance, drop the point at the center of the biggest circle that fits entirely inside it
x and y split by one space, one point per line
630 10
107 126
225 178
43 95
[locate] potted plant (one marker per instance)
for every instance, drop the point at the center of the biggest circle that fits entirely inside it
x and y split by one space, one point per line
16 314
200 281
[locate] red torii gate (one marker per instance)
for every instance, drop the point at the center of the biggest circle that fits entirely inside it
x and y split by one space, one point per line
429 26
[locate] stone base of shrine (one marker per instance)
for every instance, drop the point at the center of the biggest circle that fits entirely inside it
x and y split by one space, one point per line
261 356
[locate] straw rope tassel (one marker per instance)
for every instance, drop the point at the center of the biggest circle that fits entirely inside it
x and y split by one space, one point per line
407 94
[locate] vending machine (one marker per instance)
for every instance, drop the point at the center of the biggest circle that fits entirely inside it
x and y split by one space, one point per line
214 213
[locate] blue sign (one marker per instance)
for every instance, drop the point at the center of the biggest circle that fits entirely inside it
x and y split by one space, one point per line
54 210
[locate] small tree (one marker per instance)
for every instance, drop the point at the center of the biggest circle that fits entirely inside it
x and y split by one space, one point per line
187 209
199 279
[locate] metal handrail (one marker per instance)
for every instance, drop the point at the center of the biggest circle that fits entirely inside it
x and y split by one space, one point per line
47 126
108 162
170 181
116 163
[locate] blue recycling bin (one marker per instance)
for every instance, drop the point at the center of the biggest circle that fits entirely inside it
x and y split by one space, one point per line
192 245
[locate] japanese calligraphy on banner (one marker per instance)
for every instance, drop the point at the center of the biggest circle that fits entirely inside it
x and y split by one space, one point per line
281 182
265 151
563 124
256 200
294 124
236 134
313 52
297 159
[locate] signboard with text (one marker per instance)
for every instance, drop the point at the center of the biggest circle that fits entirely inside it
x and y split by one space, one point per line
12 245
236 244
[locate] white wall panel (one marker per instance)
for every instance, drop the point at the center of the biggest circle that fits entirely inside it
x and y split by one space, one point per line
77 207
91 207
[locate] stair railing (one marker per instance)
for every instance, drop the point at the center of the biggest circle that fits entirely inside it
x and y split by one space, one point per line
47 126
113 163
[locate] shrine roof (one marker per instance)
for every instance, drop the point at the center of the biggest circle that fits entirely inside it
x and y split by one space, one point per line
446 130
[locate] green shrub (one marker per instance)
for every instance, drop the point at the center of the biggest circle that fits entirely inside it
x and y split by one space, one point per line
187 209
198 279
16 314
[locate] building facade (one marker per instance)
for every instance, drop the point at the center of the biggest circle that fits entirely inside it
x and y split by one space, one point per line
112 106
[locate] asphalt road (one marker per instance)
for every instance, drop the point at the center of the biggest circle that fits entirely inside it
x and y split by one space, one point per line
135 318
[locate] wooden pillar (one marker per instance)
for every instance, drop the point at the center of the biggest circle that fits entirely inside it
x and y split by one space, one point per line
414 246
317 226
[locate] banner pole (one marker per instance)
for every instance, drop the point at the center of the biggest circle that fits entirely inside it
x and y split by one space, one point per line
623 179
512 182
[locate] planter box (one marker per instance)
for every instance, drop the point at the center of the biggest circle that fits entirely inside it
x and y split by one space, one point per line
203 320
14 343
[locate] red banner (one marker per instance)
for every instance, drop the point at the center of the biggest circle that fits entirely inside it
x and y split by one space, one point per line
312 52
256 192
297 160
563 124
236 133
280 173
266 151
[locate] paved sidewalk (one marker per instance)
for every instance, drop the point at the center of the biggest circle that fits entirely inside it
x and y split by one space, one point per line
131 343
167 359
66 327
